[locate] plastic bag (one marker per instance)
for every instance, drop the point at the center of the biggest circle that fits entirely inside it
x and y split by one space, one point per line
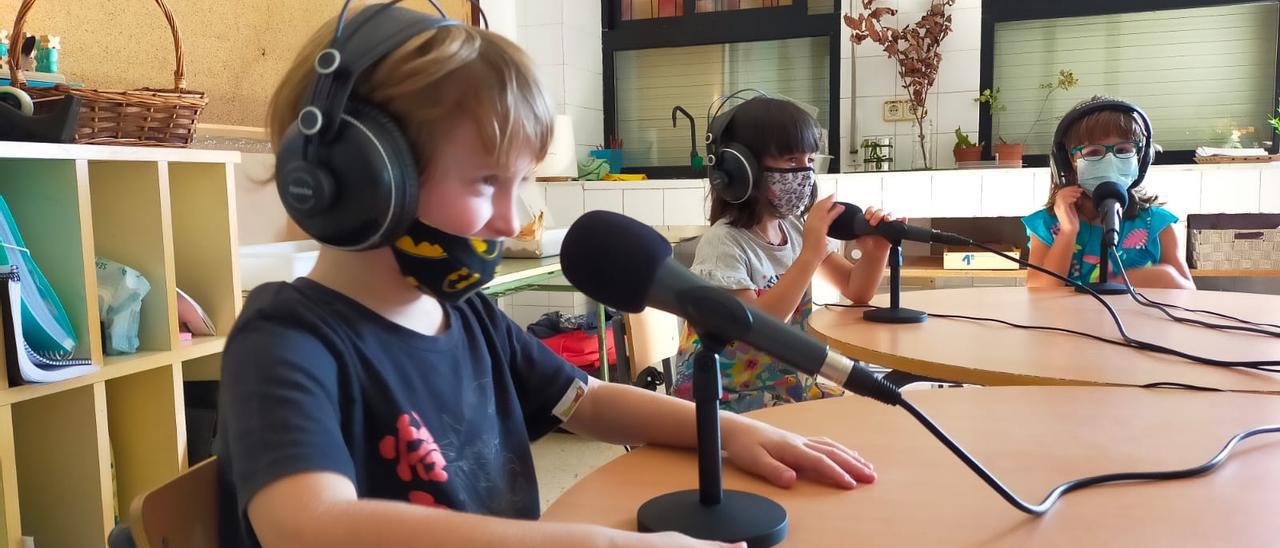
120 293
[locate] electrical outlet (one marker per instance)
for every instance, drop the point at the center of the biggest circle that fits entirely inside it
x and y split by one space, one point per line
899 110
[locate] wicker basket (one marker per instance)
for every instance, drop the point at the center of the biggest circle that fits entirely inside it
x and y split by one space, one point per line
141 117
1228 249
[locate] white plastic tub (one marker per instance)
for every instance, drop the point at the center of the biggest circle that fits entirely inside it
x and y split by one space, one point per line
278 262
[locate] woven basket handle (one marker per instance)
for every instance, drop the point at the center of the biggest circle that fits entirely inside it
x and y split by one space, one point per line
15 53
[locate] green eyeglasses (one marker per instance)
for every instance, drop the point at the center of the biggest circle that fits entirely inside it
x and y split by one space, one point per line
1124 150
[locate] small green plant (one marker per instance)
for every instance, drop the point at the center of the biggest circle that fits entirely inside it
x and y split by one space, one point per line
1066 81
992 99
962 140
1274 120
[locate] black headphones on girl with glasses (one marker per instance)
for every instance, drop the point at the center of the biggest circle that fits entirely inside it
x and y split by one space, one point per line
1060 158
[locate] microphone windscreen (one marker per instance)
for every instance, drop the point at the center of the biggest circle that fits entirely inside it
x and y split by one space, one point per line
613 259
1111 190
850 225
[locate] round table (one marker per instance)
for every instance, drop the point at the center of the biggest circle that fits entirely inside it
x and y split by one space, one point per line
993 354
1031 438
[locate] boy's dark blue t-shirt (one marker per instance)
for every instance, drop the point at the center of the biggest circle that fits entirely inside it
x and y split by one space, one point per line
314 381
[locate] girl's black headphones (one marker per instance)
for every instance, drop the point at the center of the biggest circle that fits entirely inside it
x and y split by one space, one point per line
731 167
345 171
1060 158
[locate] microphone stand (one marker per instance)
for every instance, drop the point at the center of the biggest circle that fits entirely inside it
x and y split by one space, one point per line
895 313
1110 234
711 512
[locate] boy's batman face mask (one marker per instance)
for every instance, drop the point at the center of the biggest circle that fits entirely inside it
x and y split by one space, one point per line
448 267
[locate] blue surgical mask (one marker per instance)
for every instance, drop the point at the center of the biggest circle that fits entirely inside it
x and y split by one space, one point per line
1091 173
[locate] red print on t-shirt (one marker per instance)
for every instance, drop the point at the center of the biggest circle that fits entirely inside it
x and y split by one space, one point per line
415 450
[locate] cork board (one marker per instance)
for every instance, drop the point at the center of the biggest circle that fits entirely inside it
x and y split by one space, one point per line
236 50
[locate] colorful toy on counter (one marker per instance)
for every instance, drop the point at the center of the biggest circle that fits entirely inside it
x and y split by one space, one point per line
47 54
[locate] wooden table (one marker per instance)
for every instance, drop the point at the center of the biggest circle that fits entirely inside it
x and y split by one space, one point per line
993 354
1031 438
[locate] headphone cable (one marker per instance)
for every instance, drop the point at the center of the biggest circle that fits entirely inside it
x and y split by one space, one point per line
1057 492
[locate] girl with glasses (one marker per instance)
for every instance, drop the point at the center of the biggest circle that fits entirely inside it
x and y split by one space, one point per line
1065 235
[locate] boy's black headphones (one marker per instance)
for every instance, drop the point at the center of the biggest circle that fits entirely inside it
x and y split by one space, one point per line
345 171
731 167
1060 157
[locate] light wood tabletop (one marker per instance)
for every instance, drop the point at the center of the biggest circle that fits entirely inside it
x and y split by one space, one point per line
1030 438
992 354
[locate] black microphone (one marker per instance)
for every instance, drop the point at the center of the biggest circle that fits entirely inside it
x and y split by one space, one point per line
852 224
1111 199
623 263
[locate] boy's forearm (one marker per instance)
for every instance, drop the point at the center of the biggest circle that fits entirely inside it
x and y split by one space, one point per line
630 415
623 414
376 523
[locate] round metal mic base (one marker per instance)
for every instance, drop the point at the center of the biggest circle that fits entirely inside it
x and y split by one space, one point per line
1105 288
894 315
740 517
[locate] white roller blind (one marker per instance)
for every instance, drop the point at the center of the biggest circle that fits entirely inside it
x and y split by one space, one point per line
1198 73
651 82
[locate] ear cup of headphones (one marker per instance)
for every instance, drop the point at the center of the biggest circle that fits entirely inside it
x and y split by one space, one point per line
735 173
361 192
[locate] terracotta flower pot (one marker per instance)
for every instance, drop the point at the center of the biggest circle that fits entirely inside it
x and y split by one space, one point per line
1008 154
967 154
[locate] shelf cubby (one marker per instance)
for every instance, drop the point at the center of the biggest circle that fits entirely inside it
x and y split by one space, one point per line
50 204
148 430
63 467
131 226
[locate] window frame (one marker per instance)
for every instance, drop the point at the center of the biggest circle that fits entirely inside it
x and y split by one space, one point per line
712 28
1001 11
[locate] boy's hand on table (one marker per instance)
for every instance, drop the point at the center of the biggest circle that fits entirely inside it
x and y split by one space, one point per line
779 456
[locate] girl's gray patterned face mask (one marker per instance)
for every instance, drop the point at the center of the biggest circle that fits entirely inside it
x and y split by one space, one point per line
789 189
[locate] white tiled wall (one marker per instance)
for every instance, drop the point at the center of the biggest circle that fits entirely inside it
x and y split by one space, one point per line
526 307
956 194
644 205
1007 194
1179 190
908 194
950 102
564 203
684 206
607 200
1185 189
1269 197
1234 191
564 39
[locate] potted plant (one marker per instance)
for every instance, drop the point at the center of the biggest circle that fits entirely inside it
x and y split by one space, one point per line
1275 123
914 47
1007 153
965 149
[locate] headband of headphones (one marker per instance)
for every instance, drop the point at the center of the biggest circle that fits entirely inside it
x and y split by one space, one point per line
731 167
350 54
717 121
1060 157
